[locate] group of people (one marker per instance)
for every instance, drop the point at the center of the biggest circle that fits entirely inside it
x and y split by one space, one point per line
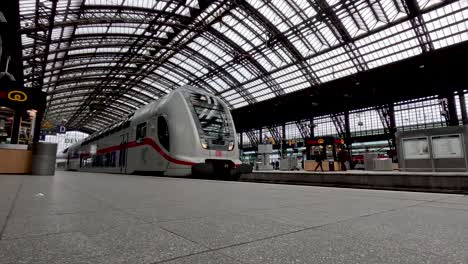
342 155
275 164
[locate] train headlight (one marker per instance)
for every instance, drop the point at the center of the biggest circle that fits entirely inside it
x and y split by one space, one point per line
231 146
204 144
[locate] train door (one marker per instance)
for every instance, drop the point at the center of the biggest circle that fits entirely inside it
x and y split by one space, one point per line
123 153
162 137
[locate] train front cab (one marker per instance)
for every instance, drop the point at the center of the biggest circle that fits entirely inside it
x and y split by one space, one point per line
210 129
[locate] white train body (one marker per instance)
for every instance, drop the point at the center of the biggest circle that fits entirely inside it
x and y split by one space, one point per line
188 130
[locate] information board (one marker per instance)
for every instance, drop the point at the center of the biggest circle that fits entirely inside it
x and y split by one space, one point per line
416 148
447 147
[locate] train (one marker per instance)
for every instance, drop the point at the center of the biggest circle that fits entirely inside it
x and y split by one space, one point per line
188 132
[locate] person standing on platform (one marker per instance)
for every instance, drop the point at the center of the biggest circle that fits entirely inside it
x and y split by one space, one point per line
319 159
343 157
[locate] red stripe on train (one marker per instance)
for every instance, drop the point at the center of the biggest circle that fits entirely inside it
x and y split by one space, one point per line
146 141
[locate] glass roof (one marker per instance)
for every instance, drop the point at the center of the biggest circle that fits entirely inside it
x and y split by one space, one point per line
126 53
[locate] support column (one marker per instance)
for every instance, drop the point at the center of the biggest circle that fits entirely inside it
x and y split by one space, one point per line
241 140
312 128
283 140
452 110
260 136
392 129
347 138
16 127
347 129
461 98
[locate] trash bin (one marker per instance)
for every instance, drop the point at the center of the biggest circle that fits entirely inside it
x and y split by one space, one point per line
43 158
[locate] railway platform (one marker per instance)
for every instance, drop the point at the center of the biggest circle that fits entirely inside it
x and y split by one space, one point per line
446 182
78 218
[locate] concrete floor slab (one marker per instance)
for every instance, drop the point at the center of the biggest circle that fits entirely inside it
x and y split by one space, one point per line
86 223
85 218
225 230
146 243
205 258
48 249
313 246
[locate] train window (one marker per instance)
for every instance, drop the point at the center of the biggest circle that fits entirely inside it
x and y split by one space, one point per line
163 132
141 131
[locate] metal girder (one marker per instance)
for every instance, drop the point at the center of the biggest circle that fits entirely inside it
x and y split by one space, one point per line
87 46
213 69
42 40
176 42
88 55
134 9
340 124
303 128
419 26
275 133
93 77
242 55
387 117
124 60
66 69
84 71
278 35
97 20
97 36
56 102
72 109
88 89
254 140
336 26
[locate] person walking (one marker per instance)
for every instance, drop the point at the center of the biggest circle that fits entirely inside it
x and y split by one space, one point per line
319 159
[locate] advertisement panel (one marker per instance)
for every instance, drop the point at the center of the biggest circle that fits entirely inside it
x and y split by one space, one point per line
416 148
447 147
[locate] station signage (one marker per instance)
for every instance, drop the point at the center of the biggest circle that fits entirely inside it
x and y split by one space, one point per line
325 140
15 97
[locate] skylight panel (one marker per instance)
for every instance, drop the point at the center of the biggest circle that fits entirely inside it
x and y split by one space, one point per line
210 51
392 44
228 93
136 99
424 4
126 103
236 101
257 88
241 73
240 105
81 51
155 84
332 65
236 38
272 16
263 94
219 84
448 25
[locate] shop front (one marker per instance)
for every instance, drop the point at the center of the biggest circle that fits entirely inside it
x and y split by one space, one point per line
325 149
21 112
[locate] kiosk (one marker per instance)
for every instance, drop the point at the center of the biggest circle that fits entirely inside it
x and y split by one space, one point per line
21 112
328 148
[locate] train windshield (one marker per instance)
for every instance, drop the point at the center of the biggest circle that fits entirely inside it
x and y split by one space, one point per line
211 114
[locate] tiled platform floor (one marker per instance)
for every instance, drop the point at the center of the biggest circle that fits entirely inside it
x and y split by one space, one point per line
102 218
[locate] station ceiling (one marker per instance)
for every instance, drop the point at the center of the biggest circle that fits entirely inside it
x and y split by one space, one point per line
99 60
